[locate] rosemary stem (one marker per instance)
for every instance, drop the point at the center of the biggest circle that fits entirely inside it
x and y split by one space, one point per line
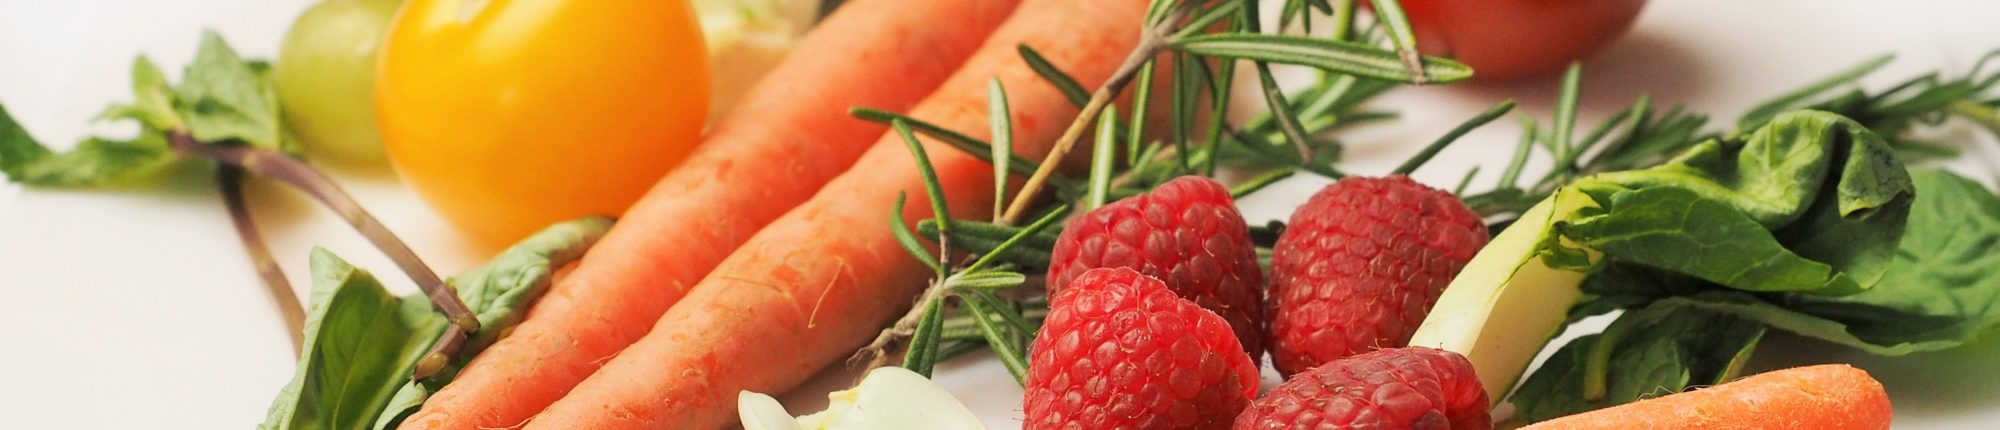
1151 42
877 351
229 181
275 165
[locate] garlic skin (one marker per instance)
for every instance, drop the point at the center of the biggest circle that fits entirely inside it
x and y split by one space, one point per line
888 398
746 38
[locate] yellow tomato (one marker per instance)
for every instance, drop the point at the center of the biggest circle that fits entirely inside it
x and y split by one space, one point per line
509 115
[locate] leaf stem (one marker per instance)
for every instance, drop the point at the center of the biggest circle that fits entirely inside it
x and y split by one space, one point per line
276 165
229 181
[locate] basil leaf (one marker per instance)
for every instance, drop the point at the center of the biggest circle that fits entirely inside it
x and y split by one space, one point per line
96 160
152 99
499 293
224 98
1812 202
361 342
1672 348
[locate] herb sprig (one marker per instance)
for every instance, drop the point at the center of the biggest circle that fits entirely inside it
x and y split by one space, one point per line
224 110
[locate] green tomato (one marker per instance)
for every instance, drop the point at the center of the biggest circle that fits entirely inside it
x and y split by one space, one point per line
326 78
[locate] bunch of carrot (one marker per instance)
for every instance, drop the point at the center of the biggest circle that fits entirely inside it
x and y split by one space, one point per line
758 262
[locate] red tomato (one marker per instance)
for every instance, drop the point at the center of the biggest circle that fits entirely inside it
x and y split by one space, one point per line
1505 39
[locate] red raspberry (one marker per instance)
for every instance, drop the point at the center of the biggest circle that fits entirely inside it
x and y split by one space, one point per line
1120 351
1186 232
1399 388
1360 266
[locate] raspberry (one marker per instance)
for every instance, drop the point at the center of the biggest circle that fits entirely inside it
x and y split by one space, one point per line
1186 232
1360 266
1120 351
1399 388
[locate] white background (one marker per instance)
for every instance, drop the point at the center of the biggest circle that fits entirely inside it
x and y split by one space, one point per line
136 308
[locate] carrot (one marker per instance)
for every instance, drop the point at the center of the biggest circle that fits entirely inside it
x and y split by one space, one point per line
1823 397
818 283
789 136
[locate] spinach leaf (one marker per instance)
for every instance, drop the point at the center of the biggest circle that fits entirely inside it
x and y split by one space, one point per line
362 343
95 160
1812 202
1941 290
1661 349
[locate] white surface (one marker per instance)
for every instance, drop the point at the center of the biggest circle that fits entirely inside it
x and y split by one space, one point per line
135 308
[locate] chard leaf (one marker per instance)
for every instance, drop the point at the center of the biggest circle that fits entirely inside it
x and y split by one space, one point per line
1668 349
362 343
1811 202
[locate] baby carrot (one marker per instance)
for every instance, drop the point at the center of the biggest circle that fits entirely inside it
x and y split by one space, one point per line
815 285
1823 397
790 135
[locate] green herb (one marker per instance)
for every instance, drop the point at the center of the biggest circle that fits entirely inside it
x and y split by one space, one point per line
363 344
223 110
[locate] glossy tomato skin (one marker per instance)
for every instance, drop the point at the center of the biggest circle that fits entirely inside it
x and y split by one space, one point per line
508 115
1507 39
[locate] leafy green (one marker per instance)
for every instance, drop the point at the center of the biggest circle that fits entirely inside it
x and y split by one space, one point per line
222 98
1941 290
1812 202
1662 349
362 342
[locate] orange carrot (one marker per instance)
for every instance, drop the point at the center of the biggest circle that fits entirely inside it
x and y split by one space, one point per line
1823 397
789 136
818 283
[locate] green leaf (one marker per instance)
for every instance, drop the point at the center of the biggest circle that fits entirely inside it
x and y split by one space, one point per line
909 241
986 280
1812 202
1325 54
224 98
152 99
1103 156
1663 349
1062 81
1013 356
1002 124
98 160
95 161
1942 289
968 144
361 344
923 353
